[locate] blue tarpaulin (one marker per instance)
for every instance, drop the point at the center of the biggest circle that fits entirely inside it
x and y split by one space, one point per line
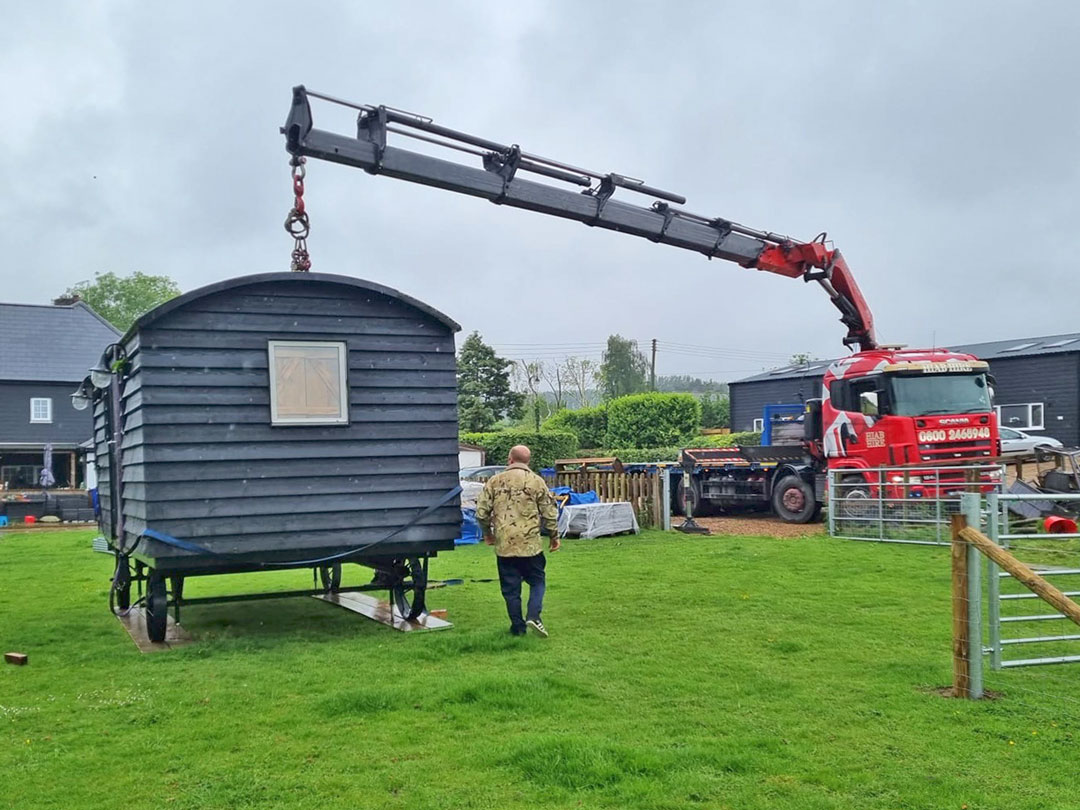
576 498
470 529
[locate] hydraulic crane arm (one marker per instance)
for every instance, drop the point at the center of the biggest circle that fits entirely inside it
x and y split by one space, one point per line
500 180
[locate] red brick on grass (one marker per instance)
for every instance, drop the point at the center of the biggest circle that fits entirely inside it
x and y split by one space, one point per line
18 659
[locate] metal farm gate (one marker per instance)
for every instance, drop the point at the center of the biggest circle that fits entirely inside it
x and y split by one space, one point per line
1018 620
897 505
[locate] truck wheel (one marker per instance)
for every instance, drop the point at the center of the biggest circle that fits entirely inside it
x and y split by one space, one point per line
700 508
853 499
793 500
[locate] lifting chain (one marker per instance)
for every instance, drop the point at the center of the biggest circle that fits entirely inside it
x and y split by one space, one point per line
296 223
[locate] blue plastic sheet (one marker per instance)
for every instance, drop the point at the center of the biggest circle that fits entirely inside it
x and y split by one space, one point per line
470 529
576 498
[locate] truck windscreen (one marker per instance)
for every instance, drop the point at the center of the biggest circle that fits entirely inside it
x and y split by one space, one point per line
928 394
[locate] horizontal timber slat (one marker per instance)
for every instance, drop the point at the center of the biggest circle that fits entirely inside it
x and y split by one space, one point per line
243 395
332 327
226 358
290 485
211 435
260 414
300 524
167 339
291 542
271 508
232 469
258 377
288 450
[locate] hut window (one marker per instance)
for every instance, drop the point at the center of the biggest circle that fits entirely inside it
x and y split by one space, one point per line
308 383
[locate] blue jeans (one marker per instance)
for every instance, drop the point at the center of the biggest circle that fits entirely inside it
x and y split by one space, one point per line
512 570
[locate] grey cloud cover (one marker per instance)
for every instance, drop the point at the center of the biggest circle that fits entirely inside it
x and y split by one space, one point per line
935 142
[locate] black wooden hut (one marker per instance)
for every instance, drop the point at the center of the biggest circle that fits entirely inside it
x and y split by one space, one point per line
278 420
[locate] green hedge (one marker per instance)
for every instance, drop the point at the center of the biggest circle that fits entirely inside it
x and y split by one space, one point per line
725 439
588 424
546 446
652 420
637 455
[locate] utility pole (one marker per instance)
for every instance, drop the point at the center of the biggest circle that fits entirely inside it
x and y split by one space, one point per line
652 367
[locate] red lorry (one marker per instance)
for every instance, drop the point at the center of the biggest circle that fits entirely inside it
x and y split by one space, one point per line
884 406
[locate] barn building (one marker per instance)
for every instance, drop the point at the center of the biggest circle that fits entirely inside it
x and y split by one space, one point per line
1036 388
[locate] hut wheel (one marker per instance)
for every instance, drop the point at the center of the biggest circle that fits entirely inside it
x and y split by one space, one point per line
407 593
157 608
120 592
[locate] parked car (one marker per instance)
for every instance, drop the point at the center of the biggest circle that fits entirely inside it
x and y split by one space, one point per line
479 473
1017 441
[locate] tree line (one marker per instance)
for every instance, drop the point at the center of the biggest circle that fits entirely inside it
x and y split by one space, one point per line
494 390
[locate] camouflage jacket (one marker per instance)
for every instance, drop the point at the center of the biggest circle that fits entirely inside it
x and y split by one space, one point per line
512 506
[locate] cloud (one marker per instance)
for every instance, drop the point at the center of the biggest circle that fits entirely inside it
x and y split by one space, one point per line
935 143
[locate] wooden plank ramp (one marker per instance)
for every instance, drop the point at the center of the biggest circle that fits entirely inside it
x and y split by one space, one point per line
381 612
134 621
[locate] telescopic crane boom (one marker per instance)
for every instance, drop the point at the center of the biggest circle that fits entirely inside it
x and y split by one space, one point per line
500 179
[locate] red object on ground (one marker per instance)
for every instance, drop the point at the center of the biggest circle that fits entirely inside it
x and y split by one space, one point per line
1059 525
18 659
29 519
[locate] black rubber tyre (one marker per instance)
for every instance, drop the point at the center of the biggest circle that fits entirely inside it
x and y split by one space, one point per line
697 506
121 585
793 500
854 501
157 608
408 594
330 577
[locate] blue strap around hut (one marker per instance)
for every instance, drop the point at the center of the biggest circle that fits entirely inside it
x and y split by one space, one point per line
195 548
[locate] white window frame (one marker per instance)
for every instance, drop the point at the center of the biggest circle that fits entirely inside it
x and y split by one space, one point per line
1030 422
759 425
343 376
47 419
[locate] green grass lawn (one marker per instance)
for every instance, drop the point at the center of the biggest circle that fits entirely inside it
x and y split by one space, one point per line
681 672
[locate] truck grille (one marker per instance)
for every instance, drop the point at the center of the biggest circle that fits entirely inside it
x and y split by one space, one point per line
945 451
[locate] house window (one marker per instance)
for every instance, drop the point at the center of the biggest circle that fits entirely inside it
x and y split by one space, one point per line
1024 416
308 383
40 409
759 425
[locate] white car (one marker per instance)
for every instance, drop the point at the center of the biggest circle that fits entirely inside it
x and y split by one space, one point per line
1016 441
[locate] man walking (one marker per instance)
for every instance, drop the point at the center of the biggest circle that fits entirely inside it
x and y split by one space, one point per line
510 510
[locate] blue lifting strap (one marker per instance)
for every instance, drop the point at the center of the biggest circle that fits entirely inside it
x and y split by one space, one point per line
195 548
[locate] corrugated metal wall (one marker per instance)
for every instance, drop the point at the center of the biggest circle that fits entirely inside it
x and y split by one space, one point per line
748 399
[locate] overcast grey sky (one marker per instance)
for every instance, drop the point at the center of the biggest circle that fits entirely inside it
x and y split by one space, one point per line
938 143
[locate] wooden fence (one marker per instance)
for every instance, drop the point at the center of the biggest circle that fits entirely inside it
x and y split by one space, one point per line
643 490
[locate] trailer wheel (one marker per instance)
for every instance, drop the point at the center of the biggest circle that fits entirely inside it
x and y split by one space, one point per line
408 592
330 576
793 500
157 608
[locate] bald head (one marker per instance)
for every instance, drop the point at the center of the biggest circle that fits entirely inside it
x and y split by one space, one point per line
520 454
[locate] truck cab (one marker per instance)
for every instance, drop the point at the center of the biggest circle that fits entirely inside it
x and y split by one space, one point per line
893 408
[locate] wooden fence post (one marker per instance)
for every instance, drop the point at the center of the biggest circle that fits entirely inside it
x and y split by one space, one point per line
961 628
